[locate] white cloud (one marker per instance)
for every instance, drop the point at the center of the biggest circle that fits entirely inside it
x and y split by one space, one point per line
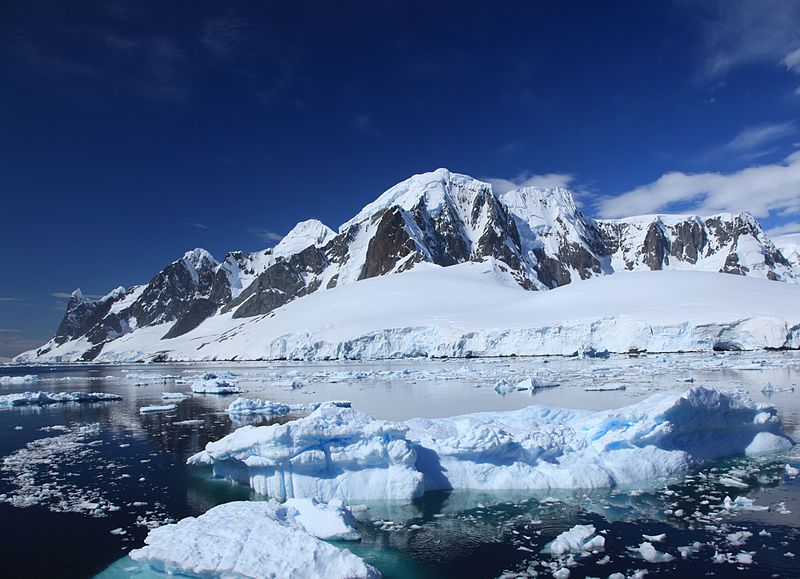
548 181
762 190
742 32
266 236
196 225
792 61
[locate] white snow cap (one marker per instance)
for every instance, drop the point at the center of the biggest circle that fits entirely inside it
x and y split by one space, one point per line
199 257
433 187
303 235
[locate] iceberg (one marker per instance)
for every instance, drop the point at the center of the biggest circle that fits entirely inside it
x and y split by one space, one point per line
342 453
45 398
258 539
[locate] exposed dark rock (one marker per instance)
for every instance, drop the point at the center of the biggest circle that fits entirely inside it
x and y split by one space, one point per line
199 310
389 245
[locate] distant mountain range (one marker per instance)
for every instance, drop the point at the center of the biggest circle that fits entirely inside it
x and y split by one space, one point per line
536 237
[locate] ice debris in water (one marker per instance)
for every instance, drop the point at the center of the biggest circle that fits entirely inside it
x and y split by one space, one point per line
343 453
211 383
45 398
258 539
30 468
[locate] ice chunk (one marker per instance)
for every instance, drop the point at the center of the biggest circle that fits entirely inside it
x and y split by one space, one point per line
651 555
792 471
741 504
578 539
212 384
244 406
257 539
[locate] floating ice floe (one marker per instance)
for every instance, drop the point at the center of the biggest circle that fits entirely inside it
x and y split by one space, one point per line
13 380
343 453
258 539
770 388
606 387
505 387
254 406
650 554
791 471
174 396
158 408
44 398
212 384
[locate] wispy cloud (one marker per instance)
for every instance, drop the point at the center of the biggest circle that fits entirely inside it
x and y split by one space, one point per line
364 124
11 299
526 179
196 225
791 227
67 295
5 331
266 235
753 138
764 190
743 32
225 36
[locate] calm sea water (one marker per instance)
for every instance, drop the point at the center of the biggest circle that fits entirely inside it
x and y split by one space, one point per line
79 496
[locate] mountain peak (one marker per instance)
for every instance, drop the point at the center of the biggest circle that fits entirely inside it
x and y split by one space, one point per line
433 187
304 234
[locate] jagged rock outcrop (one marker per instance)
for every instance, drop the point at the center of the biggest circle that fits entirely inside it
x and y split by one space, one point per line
539 237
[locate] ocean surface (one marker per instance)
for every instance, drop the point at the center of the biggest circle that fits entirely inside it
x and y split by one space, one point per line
81 483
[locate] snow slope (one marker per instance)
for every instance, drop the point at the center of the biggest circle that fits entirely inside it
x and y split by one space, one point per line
475 309
342 453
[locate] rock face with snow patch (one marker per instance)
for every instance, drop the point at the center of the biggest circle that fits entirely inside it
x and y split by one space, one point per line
537 236
344 454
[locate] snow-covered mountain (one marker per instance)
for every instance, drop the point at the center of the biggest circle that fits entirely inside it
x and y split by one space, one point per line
536 239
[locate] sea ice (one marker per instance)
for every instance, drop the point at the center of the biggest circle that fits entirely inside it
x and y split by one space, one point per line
14 380
345 454
257 539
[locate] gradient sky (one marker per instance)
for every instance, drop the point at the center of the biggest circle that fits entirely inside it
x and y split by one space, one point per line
133 131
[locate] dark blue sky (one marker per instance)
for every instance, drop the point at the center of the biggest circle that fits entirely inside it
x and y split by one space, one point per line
133 131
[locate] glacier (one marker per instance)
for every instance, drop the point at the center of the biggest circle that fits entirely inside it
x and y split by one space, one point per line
344 454
477 309
258 539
